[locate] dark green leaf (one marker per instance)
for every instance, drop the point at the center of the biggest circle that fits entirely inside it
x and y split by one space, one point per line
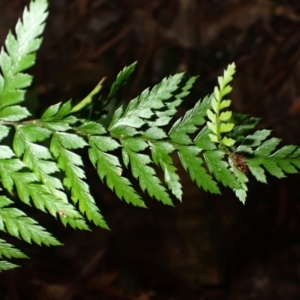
19 225
9 251
220 169
146 176
20 55
161 156
273 168
203 141
193 164
267 147
121 78
109 168
194 118
284 152
254 165
244 124
253 140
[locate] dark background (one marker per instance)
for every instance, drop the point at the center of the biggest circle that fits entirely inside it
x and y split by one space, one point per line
208 247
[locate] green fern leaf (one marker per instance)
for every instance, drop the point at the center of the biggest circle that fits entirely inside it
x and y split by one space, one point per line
193 118
144 107
161 156
23 182
9 251
5 265
26 134
203 141
109 167
241 193
28 188
51 112
91 128
266 148
219 121
154 133
257 171
20 54
290 151
185 90
17 224
57 125
38 159
70 163
6 152
193 164
14 113
142 171
64 110
243 125
253 140
164 115
70 141
32 168
4 131
121 79
285 160
7 168
56 117
220 169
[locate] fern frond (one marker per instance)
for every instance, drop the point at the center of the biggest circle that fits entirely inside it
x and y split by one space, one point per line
285 160
141 170
219 151
219 122
148 105
121 79
50 194
252 140
109 168
17 224
193 164
190 122
220 168
5 266
203 141
243 125
70 163
171 105
56 117
18 56
161 157
9 251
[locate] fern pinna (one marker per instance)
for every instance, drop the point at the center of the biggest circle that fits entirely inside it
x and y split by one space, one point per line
40 165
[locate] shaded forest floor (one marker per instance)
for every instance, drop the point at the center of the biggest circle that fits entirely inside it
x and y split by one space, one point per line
208 247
